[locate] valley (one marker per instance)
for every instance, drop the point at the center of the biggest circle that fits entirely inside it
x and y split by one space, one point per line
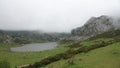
59 33
94 45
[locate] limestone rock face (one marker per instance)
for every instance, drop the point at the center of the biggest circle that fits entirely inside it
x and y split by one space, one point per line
94 25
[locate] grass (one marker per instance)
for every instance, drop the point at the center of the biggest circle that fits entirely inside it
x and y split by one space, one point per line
96 41
21 58
106 57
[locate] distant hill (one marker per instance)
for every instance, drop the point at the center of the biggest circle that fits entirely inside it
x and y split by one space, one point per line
29 36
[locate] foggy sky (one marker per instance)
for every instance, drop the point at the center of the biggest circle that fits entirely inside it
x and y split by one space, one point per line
52 15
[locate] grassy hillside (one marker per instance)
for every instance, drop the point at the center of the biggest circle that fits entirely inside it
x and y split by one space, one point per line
81 49
21 58
101 51
106 57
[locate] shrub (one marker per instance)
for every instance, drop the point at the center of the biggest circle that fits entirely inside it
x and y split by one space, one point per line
4 64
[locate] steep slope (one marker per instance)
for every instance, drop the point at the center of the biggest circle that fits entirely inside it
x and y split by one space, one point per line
108 34
107 57
96 58
95 25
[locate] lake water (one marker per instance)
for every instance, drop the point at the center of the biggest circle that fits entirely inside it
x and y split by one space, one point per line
34 47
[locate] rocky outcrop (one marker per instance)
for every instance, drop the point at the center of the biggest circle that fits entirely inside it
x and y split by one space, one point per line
94 25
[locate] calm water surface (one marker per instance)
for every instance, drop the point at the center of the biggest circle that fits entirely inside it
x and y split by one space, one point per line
35 47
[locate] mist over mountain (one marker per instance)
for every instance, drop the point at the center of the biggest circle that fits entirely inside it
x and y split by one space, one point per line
116 23
94 26
24 37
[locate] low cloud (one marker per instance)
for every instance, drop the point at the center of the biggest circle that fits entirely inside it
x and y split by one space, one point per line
53 15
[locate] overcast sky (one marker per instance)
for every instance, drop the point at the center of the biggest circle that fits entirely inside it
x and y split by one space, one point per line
52 15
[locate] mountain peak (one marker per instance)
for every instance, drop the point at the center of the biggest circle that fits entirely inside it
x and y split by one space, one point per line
95 25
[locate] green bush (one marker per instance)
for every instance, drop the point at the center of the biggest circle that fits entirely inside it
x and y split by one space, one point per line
4 64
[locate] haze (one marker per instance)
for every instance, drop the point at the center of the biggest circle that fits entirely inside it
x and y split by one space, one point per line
52 15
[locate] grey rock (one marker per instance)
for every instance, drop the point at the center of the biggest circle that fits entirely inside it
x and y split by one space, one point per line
94 25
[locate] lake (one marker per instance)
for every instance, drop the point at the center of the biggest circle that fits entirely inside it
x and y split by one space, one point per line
35 47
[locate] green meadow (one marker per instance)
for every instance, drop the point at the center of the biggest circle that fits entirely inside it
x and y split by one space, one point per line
21 58
105 57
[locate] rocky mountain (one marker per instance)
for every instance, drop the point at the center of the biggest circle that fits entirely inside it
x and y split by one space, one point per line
94 26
